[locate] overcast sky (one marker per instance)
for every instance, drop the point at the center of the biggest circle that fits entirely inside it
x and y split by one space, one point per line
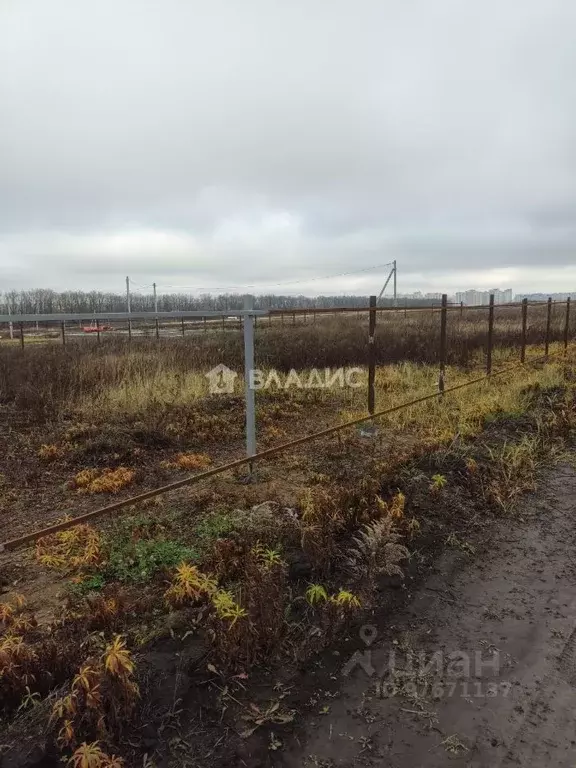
232 143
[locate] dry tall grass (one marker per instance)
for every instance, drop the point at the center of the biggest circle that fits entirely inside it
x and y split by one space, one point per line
117 375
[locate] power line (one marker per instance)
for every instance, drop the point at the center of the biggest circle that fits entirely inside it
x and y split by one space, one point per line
286 282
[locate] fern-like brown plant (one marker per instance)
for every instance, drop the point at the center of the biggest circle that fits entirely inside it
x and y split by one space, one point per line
376 550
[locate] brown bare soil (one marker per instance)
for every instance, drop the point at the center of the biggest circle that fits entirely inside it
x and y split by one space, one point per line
513 604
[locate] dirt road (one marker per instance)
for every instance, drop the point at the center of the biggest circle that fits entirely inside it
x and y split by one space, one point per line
507 611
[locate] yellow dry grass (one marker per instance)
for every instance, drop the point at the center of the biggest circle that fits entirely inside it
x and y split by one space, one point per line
103 480
463 412
136 394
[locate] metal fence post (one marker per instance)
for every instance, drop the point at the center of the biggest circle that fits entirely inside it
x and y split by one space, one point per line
129 330
443 319
567 325
524 323
293 318
461 308
182 327
205 329
63 326
248 378
490 335
22 335
98 330
157 324
371 355
548 324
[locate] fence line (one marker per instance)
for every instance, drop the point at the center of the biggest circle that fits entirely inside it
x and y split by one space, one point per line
201 314
195 479
249 316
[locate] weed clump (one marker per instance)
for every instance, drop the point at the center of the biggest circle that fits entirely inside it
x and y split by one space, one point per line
189 585
76 547
103 481
48 453
102 697
376 550
192 461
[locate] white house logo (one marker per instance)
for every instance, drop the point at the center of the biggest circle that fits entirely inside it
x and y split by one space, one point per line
221 380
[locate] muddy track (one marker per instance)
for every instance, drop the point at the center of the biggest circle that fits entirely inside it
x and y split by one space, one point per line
501 687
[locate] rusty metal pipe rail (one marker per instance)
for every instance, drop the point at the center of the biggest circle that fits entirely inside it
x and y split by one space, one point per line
195 479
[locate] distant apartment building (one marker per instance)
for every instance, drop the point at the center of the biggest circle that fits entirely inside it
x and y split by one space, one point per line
474 298
544 296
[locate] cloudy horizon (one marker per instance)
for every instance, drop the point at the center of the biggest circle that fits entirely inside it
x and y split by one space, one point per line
267 145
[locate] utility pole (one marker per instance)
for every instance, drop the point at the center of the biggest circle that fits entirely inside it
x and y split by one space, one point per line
391 274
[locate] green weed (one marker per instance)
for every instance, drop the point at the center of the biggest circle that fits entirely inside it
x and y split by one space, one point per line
139 561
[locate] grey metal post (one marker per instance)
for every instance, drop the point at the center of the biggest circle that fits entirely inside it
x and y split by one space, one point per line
395 296
248 380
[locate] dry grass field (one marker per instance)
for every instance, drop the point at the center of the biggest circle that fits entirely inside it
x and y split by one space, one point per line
112 634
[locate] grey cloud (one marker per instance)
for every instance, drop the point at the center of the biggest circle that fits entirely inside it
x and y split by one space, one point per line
442 134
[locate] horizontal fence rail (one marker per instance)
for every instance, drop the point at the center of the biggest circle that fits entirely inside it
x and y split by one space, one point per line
202 476
87 316
61 317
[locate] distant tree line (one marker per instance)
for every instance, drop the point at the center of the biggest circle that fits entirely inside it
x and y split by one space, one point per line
42 301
